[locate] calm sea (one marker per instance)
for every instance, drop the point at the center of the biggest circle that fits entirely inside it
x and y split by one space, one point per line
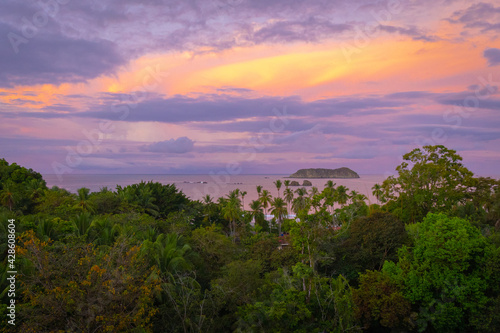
197 186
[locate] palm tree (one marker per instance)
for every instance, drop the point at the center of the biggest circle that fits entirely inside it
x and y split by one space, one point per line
353 196
278 185
378 191
330 184
8 195
314 190
341 195
279 211
302 201
82 222
168 252
357 197
35 188
146 200
207 199
288 193
287 183
126 194
210 208
243 194
103 231
329 193
265 199
83 203
257 212
45 230
234 193
104 189
259 189
231 210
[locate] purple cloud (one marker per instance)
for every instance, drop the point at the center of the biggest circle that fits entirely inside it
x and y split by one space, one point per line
54 59
180 145
484 16
411 31
310 30
493 56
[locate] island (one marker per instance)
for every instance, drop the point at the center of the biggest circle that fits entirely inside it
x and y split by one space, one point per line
325 173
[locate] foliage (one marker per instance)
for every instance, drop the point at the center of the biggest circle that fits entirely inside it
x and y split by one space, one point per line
147 258
380 301
443 273
431 179
73 287
374 239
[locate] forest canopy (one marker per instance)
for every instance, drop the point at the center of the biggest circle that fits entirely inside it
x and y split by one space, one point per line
146 258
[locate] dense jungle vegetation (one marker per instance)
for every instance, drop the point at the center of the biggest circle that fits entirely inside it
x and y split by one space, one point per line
145 258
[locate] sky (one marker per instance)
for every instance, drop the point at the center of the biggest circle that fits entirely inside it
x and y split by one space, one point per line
246 86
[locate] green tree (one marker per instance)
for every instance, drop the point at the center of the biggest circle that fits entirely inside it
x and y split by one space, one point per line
73 287
243 194
259 190
214 249
231 211
380 302
265 199
278 183
431 179
279 211
378 192
288 194
341 195
302 202
9 195
258 215
329 194
443 274
83 203
368 243
169 253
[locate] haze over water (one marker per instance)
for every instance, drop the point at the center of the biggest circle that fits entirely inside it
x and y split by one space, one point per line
216 185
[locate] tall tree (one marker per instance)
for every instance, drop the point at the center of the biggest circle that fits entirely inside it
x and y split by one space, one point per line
265 199
258 213
231 211
444 274
302 202
288 194
278 183
279 211
243 194
329 194
378 192
431 179
341 195
259 190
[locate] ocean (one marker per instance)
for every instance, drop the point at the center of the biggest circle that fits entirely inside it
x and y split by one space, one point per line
197 186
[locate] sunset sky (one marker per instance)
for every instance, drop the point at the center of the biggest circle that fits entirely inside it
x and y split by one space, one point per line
252 86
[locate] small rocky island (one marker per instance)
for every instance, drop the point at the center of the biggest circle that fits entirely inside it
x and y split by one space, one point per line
325 173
